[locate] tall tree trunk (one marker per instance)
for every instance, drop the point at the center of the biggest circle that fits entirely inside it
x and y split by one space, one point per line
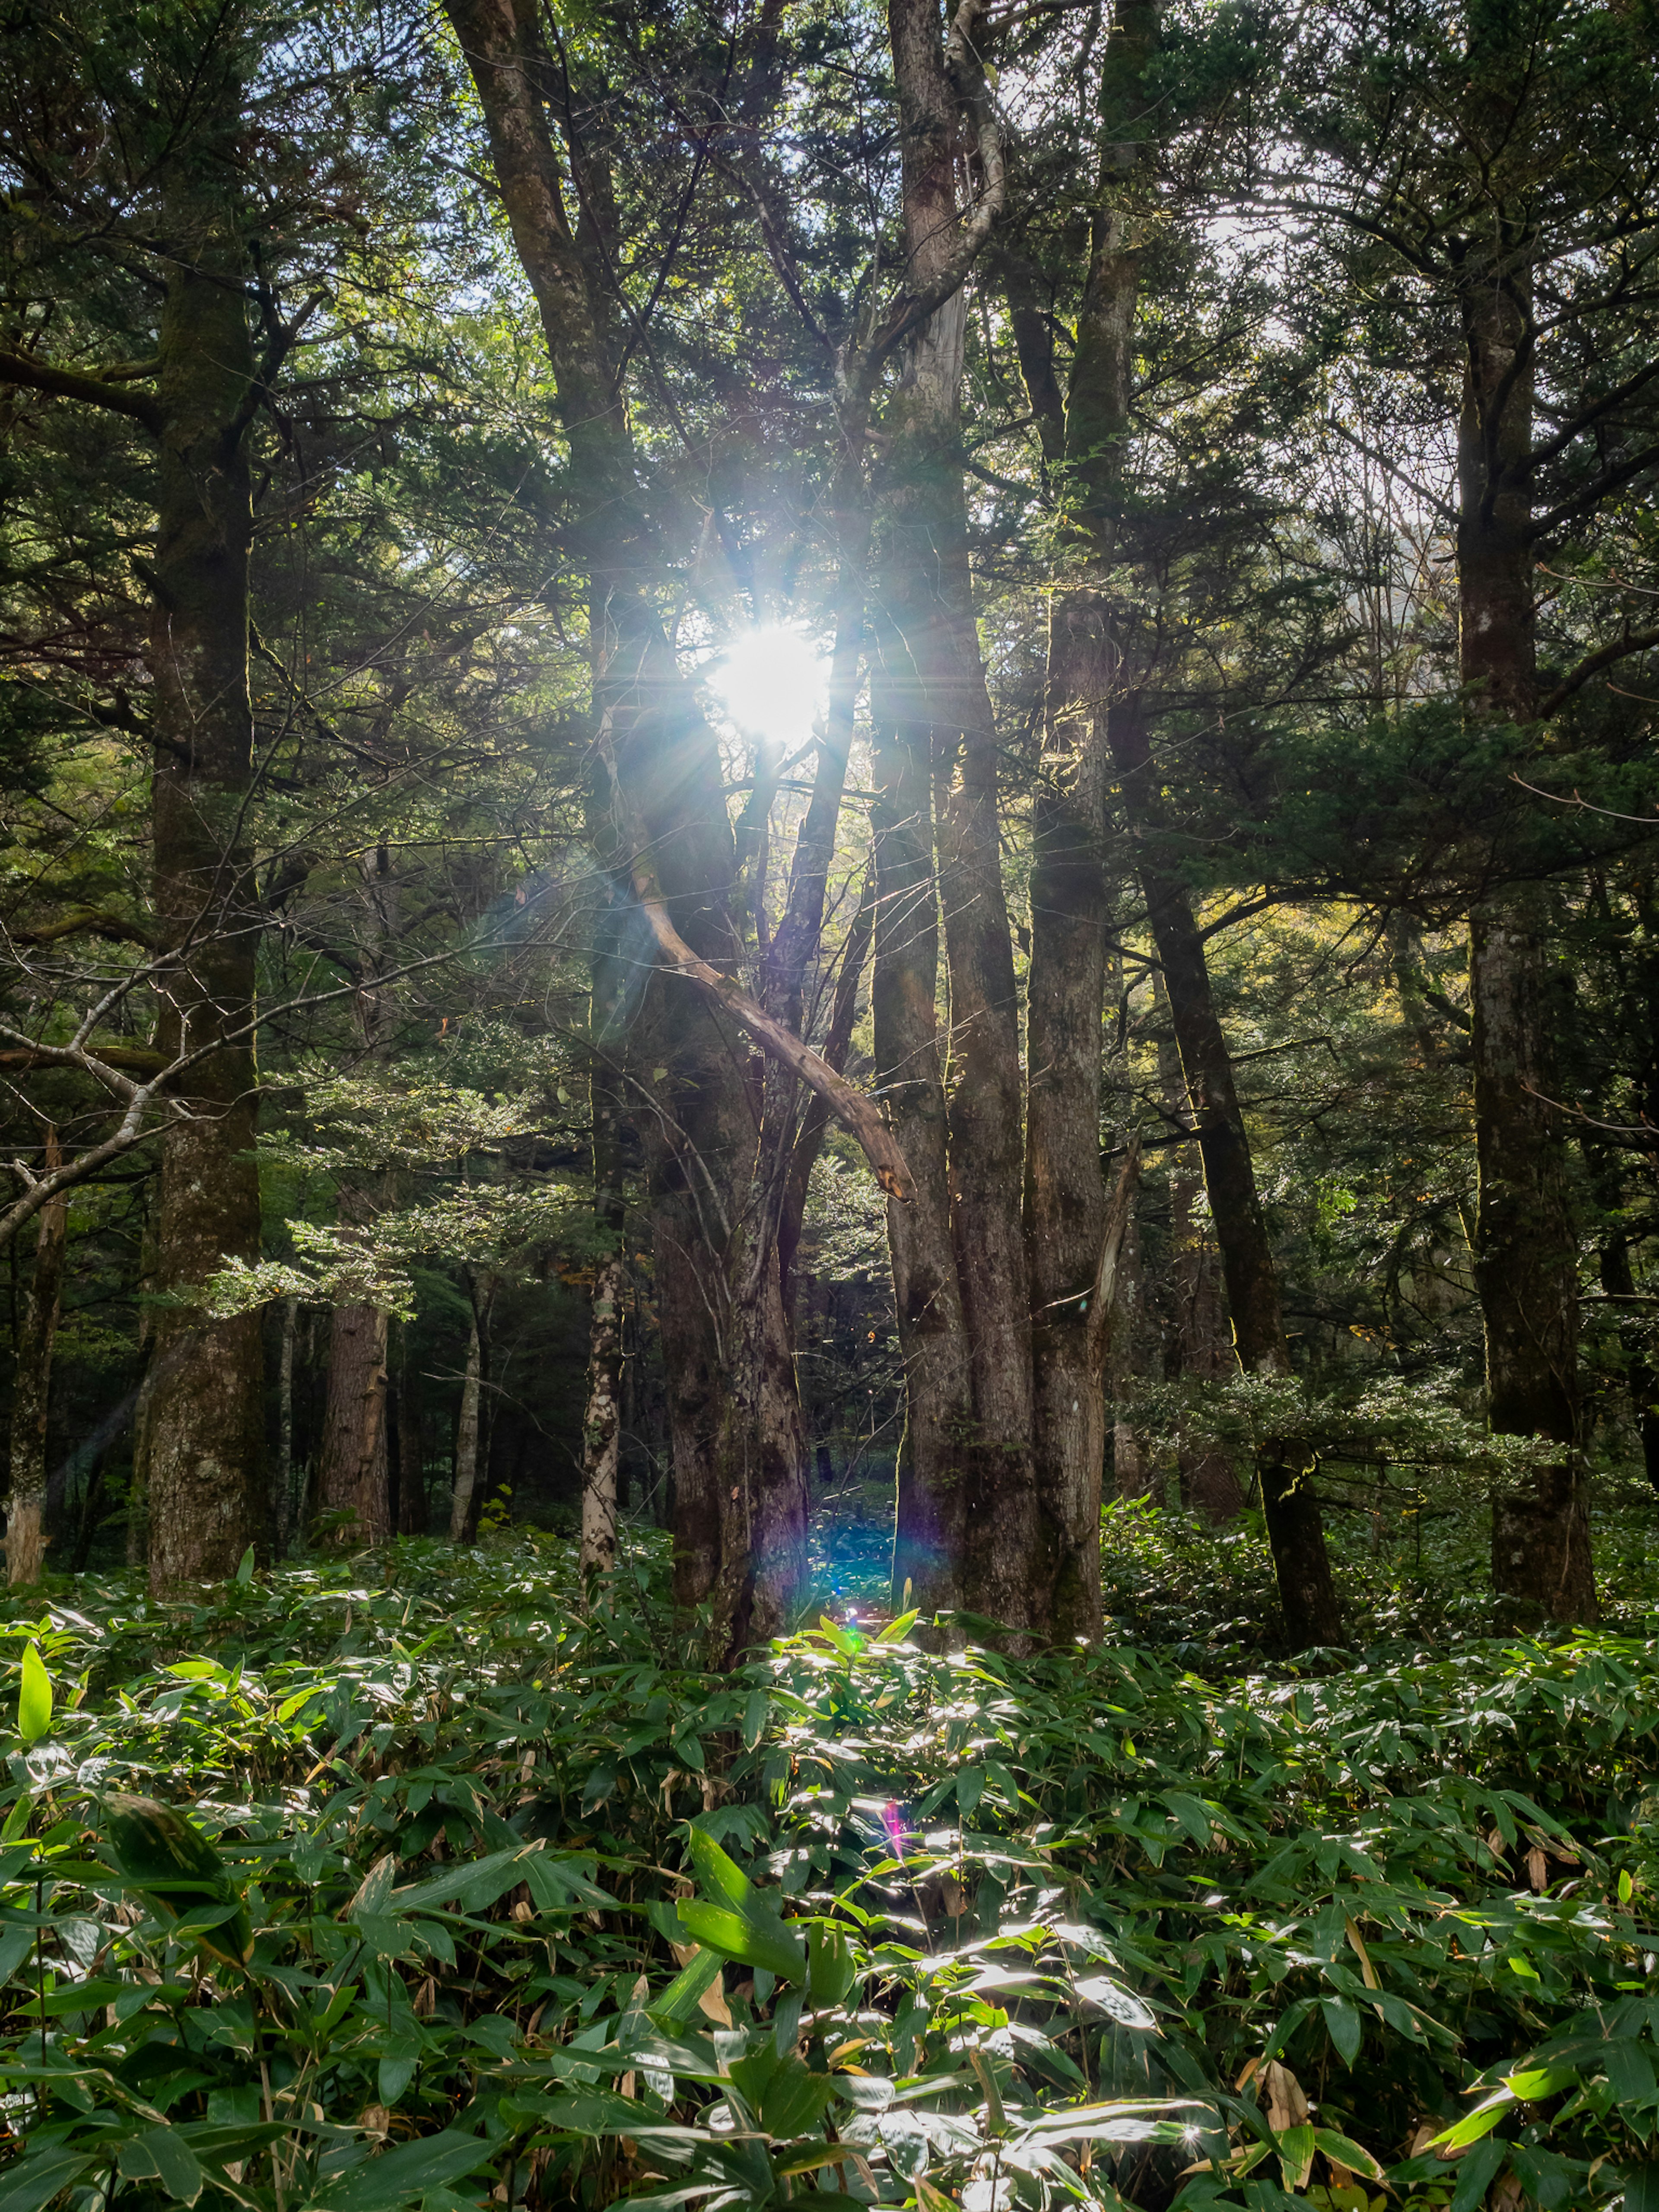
1131 1467
930 706
602 1429
1526 1251
354 1469
931 1507
203 1428
1199 1347
282 1515
464 1498
734 1413
1296 1528
1099 422
1065 1208
26 1535
353 1474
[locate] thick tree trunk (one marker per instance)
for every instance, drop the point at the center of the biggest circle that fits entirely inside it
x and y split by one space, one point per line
1065 1206
26 1535
1526 1252
1643 1382
1064 1196
354 1471
738 1547
932 1502
203 1418
930 706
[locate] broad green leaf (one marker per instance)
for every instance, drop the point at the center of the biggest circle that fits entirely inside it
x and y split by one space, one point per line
1347 2153
408 2170
738 1935
33 1696
163 2154
1296 2149
1480 2122
1345 2025
36 2179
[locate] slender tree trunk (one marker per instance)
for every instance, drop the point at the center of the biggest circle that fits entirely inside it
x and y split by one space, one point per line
203 1430
1295 1525
602 1431
1065 1206
1131 1467
283 1517
1199 1345
464 1499
26 1536
1065 1194
355 1470
1526 1251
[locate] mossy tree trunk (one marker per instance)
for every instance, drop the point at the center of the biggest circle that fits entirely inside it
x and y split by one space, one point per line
203 1431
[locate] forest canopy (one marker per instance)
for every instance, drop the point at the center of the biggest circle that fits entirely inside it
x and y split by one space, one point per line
842 813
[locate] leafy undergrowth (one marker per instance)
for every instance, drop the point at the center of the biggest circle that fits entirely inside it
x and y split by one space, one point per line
400 1880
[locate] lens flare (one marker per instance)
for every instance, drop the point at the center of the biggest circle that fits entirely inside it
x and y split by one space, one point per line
771 682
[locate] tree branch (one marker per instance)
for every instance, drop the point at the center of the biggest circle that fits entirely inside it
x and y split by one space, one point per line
21 368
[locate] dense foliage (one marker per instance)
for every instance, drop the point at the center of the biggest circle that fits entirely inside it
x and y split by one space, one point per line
351 1894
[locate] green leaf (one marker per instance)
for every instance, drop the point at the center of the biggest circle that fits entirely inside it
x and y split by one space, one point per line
390 2179
1295 2155
1476 2172
1480 2122
163 2154
39 2176
739 1936
1347 2153
245 1567
1345 2027
170 1859
34 1696
679 2002
1641 2190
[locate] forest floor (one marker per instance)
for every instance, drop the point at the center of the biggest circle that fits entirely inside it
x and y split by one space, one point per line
480 1892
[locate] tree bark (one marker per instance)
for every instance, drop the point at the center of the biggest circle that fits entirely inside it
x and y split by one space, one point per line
203 1430
602 1429
931 711
1199 1344
1065 1199
283 1517
354 1468
354 1471
464 1498
26 1535
931 1505
734 1413
1526 1251
1618 1282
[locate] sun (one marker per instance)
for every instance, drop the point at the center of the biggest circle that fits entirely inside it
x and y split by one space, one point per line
770 681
